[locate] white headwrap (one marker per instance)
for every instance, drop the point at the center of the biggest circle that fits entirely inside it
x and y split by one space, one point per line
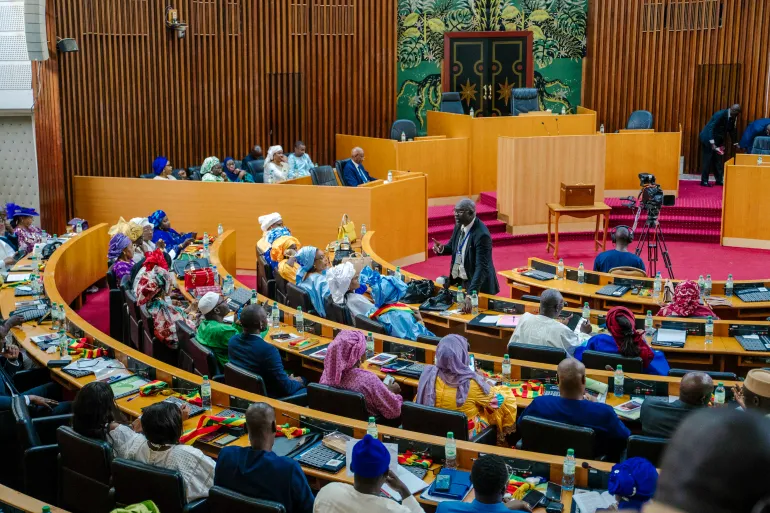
272 151
339 278
141 221
269 220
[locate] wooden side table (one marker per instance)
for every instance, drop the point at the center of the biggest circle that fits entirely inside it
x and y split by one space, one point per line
598 209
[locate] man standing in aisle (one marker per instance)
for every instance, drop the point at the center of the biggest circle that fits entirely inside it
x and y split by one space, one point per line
712 140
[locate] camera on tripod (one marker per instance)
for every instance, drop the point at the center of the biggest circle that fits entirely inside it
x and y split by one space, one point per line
651 198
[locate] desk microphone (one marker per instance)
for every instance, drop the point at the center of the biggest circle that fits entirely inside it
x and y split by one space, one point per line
557 126
546 128
587 466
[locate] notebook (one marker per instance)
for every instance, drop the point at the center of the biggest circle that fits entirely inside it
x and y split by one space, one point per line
508 321
458 490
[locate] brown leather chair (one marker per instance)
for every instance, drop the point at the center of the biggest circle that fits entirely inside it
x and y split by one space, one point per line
135 482
85 470
628 271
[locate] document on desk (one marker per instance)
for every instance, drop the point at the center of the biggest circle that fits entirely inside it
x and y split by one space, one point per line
508 321
15 277
671 336
589 502
490 319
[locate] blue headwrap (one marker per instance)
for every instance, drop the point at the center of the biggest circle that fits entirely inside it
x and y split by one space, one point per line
232 176
370 458
384 289
159 164
305 259
13 210
156 218
634 482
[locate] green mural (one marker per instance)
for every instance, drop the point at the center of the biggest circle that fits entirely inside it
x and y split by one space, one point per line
559 45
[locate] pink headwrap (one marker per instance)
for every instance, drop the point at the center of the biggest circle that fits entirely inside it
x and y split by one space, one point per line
344 353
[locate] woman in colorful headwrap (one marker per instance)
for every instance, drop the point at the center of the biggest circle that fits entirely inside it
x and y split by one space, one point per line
166 237
27 233
121 251
312 264
211 171
626 340
235 175
282 249
152 290
161 166
342 370
276 165
686 303
272 228
452 385
633 483
144 244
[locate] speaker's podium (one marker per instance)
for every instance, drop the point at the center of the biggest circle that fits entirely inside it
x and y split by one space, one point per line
530 171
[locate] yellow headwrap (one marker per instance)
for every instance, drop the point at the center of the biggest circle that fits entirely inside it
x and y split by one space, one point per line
128 228
281 244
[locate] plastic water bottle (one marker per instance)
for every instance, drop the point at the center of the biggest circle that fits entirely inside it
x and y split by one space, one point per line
220 229
46 509
253 297
229 286
563 110
719 394
618 389
63 343
275 316
560 269
568 473
363 230
450 451
460 295
586 311
701 285
581 273
206 393
390 176
79 227
649 329
759 160
729 286
299 320
506 368
55 317
707 288
472 113
205 245
398 275
657 285
709 330
216 274
403 137
475 302
62 317
371 429
45 237
369 345
601 128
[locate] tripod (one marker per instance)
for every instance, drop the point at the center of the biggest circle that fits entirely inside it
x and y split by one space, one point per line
654 237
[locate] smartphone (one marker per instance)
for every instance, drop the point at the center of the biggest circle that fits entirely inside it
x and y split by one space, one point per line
221 442
553 492
533 498
443 482
209 437
472 363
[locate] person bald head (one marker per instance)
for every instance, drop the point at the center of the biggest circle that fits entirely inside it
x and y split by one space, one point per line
713 463
735 110
622 237
260 424
253 319
551 303
357 155
572 378
695 388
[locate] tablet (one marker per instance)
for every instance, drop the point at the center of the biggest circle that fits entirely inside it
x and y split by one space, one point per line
127 386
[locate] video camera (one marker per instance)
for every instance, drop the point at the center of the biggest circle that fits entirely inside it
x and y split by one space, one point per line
651 197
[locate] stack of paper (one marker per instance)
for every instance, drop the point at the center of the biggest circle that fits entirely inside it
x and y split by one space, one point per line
508 321
630 410
589 502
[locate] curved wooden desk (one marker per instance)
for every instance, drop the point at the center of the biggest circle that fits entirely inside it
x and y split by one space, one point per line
25 503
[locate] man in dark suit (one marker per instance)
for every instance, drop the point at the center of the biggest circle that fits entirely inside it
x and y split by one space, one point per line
471 249
354 174
661 418
712 140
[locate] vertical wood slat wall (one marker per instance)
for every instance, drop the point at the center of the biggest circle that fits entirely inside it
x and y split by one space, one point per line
248 72
662 56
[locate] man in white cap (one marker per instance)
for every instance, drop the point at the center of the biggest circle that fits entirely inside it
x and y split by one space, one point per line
213 331
755 393
268 223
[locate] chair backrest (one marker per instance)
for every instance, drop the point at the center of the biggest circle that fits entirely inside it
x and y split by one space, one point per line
541 435
428 339
405 126
148 331
639 120
194 172
363 322
266 283
433 421
648 447
539 354
323 175
715 375
339 166
242 379
257 170
222 499
280 288
175 174
205 363
524 100
761 146
84 465
147 176
337 313
116 306
451 103
296 296
136 482
628 271
530 298
184 335
134 320
337 401
599 360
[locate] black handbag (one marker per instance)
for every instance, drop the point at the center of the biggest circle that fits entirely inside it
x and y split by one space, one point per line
48 250
443 301
343 251
418 291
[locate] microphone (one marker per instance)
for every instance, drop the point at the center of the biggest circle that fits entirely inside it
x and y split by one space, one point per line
557 126
546 128
587 466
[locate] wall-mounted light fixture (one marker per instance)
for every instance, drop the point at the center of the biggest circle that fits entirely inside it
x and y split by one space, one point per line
66 45
173 23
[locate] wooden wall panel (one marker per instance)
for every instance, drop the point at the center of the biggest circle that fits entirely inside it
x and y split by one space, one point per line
248 72
680 59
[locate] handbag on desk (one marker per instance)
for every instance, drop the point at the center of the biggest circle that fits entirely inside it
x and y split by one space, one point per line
442 301
418 291
199 278
347 228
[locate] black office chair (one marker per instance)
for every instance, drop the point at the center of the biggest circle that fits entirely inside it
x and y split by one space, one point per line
136 482
116 306
539 354
337 313
222 499
541 435
135 327
438 422
266 283
648 447
452 103
639 120
184 335
530 299
403 126
257 170
599 360
243 379
296 296
427 339
194 172
337 401
524 100
339 166
85 468
363 322
126 334
175 174
280 288
147 176
715 375
323 175
205 363
150 345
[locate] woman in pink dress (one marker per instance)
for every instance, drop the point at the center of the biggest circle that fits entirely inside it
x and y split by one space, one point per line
21 220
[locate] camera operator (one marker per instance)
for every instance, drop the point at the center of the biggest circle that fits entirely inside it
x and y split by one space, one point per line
620 256
712 140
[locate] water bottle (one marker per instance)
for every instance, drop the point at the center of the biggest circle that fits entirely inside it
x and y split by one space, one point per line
216 274
398 275
63 343
563 110
471 112
371 429
55 318
729 286
709 330
62 317
657 286
568 473
506 368
229 286
206 393
460 295
299 321
648 325
363 230
601 128
275 316
586 311
346 239
581 273
253 297
701 285
369 345
220 229
475 302
619 382
719 394
79 227
205 245
450 451
403 137
45 237
390 176
560 269
46 509
707 288
759 160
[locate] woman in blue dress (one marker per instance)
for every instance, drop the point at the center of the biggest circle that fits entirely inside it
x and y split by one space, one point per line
173 241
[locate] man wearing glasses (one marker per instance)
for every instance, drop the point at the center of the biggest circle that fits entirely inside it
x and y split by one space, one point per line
354 173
